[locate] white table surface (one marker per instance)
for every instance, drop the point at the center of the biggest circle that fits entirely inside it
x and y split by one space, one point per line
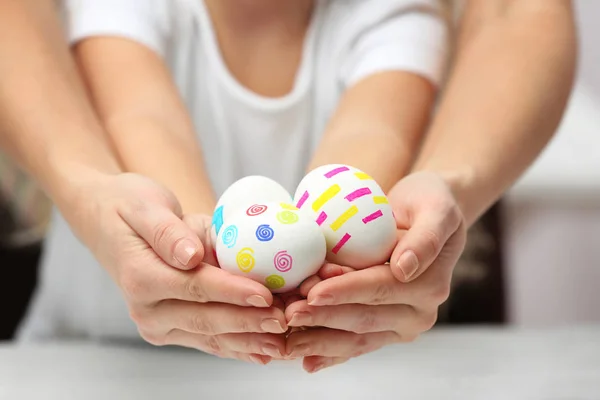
464 364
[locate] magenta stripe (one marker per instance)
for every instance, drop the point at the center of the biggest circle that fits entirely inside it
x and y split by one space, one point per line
372 217
322 218
358 193
336 171
302 200
341 243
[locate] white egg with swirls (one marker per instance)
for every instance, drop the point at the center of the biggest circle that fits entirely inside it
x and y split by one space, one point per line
271 243
253 189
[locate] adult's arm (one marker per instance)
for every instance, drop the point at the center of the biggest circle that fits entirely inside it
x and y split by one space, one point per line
46 122
145 118
511 80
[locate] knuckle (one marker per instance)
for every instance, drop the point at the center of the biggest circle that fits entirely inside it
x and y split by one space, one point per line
202 325
433 242
196 291
382 294
213 345
440 292
367 322
163 235
243 325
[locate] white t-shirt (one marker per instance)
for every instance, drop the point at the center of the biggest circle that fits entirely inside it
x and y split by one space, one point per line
241 132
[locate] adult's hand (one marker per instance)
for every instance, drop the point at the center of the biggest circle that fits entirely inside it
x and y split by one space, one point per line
162 263
356 312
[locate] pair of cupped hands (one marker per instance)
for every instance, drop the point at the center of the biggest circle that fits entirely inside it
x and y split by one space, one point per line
164 264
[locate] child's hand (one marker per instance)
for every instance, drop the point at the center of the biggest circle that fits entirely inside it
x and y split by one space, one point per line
357 312
134 228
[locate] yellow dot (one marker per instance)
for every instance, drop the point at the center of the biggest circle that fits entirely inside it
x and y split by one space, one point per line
274 282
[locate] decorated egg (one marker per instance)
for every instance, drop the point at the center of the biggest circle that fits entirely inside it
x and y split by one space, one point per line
271 243
254 189
353 212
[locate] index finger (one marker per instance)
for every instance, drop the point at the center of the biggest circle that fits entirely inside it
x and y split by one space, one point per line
204 284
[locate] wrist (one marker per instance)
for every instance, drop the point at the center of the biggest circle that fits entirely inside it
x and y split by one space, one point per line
462 184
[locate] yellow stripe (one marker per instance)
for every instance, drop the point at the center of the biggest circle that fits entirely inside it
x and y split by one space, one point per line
325 197
337 224
286 206
380 200
362 176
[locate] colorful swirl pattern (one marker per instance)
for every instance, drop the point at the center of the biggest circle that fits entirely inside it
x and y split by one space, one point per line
217 219
255 210
245 259
287 217
283 261
230 235
264 233
274 282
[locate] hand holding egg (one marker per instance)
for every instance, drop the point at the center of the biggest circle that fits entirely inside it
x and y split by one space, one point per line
341 215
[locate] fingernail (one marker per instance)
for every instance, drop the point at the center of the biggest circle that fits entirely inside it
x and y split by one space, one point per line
272 326
408 264
184 251
257 301
301 318
271 350
323 300
300 350
256 359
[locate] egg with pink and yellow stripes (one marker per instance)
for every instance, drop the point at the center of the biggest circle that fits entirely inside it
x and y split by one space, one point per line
353 212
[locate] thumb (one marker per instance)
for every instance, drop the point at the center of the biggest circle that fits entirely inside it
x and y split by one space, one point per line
419 247
167 234
201 226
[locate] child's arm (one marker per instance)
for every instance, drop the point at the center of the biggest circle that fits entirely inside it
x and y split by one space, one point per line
391 74
145 118
378 126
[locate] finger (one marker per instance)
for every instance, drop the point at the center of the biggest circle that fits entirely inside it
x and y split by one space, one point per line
313 364
334 343
422 243
360 318
308 284
240 345
333 270
174 242
326 272
212 318
374 286
200 225
150 283
378 286
278 303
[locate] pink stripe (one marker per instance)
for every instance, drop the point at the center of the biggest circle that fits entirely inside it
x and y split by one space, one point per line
341 243
372 217
322 218
358 193
336 171
302 200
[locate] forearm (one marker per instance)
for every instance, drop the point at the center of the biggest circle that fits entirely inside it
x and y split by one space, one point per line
172 159
376 128
46 123
505 98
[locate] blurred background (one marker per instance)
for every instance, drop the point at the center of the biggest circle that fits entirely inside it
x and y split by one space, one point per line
533 259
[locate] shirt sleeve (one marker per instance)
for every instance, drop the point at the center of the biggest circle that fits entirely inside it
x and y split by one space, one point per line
406 35
143 21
